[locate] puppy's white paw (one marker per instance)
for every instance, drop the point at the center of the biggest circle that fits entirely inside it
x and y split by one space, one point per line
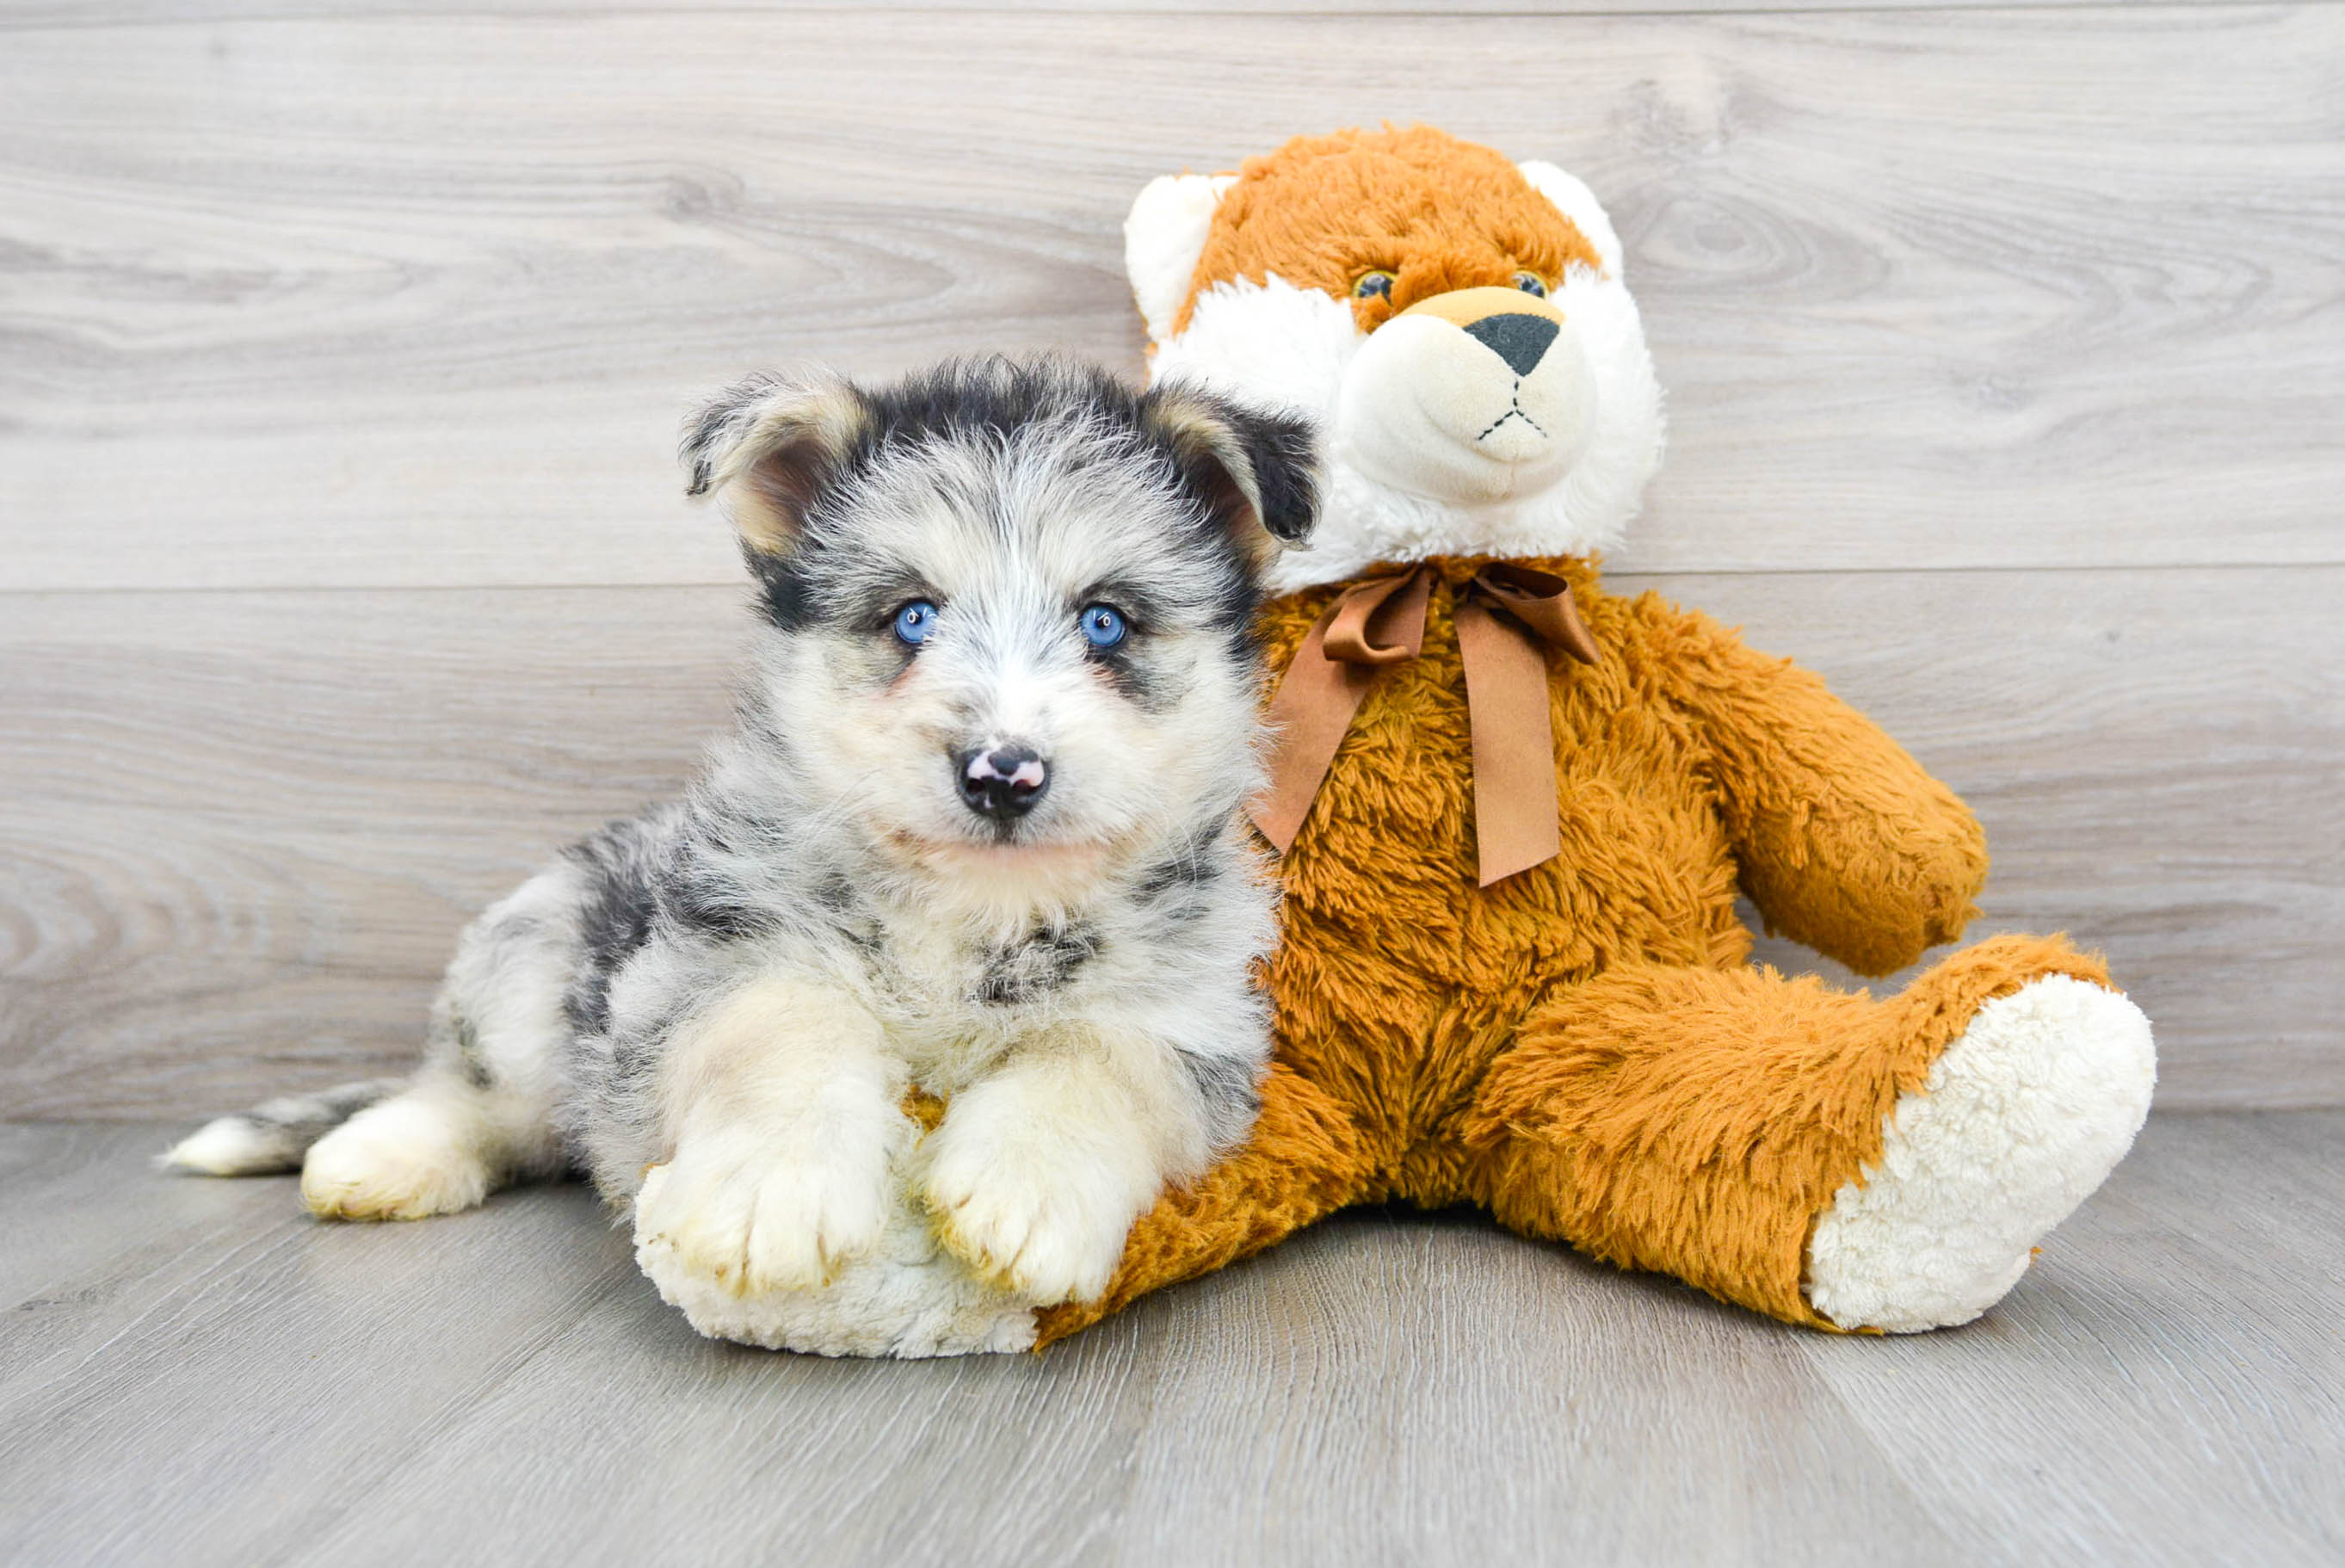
407 1158
907 1298
2020 1119
758 1214
1034 1215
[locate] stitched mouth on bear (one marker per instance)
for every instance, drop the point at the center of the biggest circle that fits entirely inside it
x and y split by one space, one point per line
1514 411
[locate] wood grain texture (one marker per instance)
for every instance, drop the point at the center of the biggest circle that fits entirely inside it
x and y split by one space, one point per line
243 829
416 300
247 1385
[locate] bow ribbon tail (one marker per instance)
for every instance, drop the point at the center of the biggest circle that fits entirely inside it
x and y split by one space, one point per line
1515 821
1370 625
1507 619
1309 715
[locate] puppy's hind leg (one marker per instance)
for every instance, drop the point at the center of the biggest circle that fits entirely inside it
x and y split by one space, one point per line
482 1113
434 1148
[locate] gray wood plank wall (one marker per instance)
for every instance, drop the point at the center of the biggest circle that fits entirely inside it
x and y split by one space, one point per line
343 573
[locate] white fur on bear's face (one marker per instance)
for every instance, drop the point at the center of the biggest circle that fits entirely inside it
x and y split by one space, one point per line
1277 346
1427 410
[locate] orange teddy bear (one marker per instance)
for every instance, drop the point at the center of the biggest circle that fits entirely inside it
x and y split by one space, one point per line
1580 1044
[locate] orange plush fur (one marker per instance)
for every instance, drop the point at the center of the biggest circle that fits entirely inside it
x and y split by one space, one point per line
1439 213
1582 1048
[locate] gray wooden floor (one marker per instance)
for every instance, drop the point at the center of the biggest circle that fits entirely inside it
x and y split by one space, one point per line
195 1373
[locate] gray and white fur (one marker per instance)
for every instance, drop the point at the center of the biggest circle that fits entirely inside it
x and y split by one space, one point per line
968 849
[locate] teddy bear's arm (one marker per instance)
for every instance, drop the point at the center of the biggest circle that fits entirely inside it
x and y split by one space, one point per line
1844 842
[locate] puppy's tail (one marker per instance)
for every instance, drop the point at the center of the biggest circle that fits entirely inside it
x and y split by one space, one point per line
274 1136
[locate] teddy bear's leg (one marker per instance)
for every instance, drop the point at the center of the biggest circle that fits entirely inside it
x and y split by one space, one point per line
1305 1160
1828 1158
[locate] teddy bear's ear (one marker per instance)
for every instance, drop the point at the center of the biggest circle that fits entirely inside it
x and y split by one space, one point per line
1256 471
1164 236
776 442
1577 202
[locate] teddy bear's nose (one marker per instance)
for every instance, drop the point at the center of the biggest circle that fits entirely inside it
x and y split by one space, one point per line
1516 338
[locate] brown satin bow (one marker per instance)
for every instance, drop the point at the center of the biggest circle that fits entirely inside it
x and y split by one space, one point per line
1503 617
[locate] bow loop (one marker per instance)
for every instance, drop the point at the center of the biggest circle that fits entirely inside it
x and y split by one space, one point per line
1541 601
1380 621
1505 617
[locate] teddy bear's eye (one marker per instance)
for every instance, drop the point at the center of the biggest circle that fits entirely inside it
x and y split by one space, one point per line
1376 285
1530 283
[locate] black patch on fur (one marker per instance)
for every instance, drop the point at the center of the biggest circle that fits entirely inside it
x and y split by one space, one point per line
469 1056
698 904
783 596
1174 886
1043 962
1230 1087
1282 452
834 893
1136 679
614 922
993 395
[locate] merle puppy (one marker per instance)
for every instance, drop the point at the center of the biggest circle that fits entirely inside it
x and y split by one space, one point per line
977 833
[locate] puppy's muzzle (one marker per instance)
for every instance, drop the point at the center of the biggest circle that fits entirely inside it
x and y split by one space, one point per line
1002 782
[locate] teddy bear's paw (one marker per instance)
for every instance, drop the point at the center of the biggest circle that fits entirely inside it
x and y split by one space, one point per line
2020 1119
757 1215
1034 1214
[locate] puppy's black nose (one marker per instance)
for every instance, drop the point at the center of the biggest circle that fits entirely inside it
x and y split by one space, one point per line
1518 339
1002 781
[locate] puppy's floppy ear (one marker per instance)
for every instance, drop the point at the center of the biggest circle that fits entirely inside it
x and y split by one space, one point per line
776 442
1256 471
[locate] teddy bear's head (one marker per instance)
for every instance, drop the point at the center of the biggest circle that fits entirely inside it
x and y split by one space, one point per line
1456 324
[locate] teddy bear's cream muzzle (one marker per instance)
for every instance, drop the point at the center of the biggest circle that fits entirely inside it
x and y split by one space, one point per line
1473 396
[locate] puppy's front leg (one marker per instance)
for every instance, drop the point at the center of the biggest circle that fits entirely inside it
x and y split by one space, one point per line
781 1104
1040 1169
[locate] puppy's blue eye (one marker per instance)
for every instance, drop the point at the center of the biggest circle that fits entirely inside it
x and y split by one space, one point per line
1102 624
1531 284
914 622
